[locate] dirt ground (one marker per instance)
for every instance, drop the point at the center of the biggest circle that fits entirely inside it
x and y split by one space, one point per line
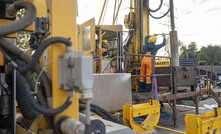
182 110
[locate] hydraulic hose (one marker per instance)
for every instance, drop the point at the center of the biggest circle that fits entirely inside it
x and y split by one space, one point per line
160 16
151 10
21 24
28 76
17 53
41 49
37 107
39 94
129 40
22 98
101 112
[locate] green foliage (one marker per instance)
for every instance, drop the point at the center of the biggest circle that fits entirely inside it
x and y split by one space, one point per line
209 53
22 41
189 51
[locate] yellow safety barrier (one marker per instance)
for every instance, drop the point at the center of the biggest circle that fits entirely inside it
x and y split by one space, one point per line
208 123
151 109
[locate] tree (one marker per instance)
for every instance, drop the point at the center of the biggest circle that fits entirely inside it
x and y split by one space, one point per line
189 52
209 53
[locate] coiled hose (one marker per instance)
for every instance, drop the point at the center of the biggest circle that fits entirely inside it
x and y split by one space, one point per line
36 106
23 102
21 24
40 50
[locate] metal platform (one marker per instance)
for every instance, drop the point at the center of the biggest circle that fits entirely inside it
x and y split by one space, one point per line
171 98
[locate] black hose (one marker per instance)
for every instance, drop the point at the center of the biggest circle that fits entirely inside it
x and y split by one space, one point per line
22 98
22 23
17 53
40 50
6 123
151 10
160 16
113 118
102 113
37 107
28 76
129 40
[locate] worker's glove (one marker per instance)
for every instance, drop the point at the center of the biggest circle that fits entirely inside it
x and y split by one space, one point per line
164 35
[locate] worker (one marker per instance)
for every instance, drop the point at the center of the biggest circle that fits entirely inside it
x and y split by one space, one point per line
104 53
146 66
104 48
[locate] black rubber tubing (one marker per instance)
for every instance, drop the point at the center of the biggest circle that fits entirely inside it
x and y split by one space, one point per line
103 113
17 53
23 103
40 50
129 40
22 23
39 108
28 76
151 10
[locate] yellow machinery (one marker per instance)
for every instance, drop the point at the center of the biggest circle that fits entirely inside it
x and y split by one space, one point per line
49 102
151 110
207 123
59 77
137 21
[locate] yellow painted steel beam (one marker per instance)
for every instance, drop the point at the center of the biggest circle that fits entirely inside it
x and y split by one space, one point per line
102 12
41 6
168 129
146 23
117 12
63 23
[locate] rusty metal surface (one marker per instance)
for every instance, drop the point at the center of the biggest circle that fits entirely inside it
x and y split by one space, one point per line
216 98
143 97
183 76
163 81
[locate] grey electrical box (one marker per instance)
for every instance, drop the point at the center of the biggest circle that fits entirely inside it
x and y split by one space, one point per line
75 71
